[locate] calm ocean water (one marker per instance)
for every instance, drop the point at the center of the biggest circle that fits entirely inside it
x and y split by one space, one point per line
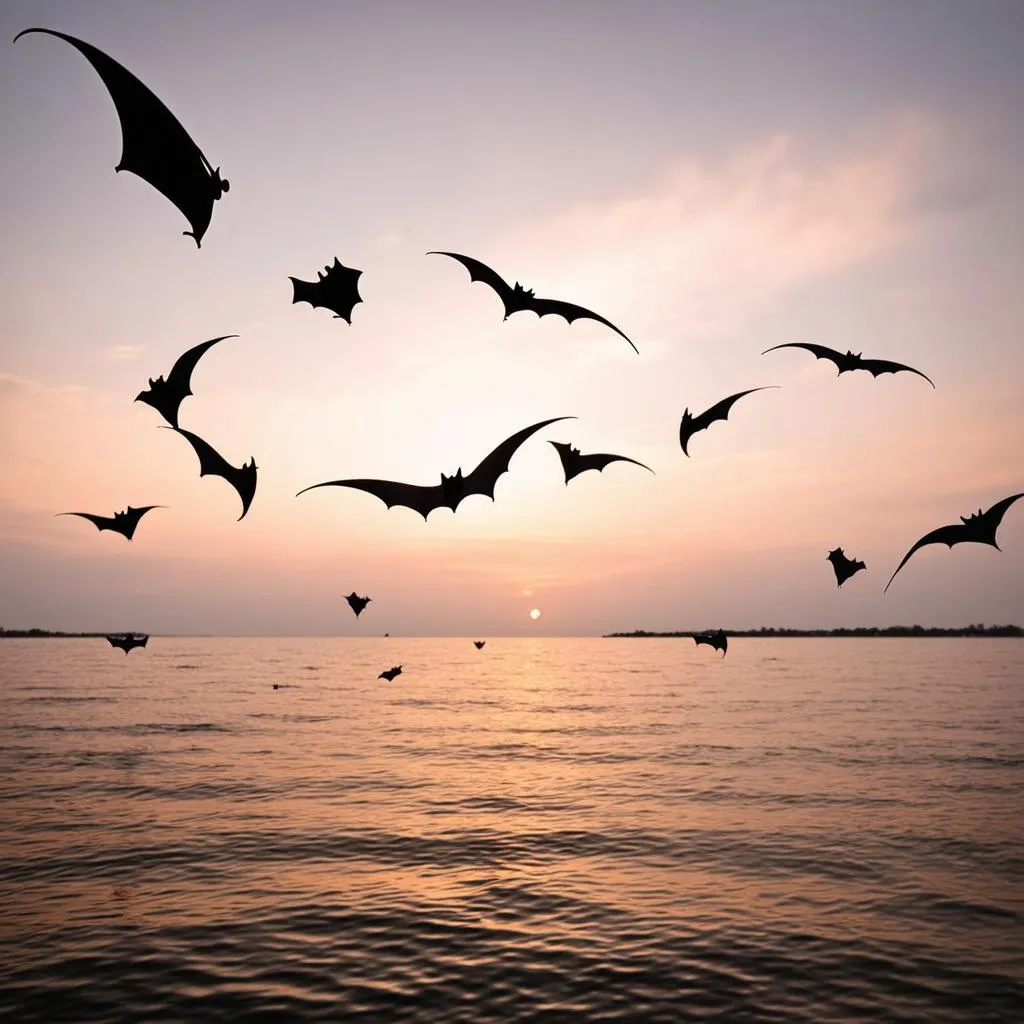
544 830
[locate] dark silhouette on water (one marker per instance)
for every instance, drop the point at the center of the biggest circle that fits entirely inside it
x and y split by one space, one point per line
167 395
844 567
516 299
336 289
716 639
127 641
689 425
357 603
978 528
452 489
212 463
573 463
120 522
154 144
849 362
478 644
390 673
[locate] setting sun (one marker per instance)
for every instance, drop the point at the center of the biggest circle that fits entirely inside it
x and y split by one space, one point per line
534 613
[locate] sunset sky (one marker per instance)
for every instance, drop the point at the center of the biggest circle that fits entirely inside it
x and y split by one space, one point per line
715 179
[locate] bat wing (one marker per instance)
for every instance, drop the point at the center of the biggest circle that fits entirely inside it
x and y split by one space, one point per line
179 380
879 366
948 535
719 411
420 499
100 522
570 311
155 146
337 290
573 465
212 463
481 272
990 519
820 351
483 479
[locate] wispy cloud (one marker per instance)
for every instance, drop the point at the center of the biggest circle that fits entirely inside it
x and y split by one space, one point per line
122 353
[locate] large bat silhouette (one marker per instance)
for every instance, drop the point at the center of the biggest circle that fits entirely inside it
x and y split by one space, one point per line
336 289
979 528
849 362
689 425
167 395
120 522
844 567
573 463
452 489
154 144
390 673
357 603
718 640
127 641
517 298
212 463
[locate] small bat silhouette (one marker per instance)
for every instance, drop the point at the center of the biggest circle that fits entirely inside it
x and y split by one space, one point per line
389 674
452 489
478 644
154 144
979 528
573 463
517 298
212 463
337 290
844 567
849 362
718 640
719 411
121 522
357 603
167 395
127 641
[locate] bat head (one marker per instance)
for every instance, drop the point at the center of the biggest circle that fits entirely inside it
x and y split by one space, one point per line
835 556
453 488
971 518
220 185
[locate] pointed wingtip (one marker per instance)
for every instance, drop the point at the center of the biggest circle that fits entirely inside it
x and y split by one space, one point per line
25 32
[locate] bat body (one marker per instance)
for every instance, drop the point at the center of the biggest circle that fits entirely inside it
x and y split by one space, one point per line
847 363
718 640
120 522
357 603
336 289
573 463
127 641
452 489
516 298
390 673
844 567
212 463
689 425
479 644
978 528
167 395
154 144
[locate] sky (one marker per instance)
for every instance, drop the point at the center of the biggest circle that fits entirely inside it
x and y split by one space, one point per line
714 179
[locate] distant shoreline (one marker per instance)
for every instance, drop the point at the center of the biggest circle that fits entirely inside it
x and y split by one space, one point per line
979 630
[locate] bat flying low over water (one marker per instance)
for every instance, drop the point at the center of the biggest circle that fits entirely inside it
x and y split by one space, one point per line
154 144
167 395
517 298
573 463
390 673
717 639
127 641
452 489
689 425
844 567
979 528
120 522
849 361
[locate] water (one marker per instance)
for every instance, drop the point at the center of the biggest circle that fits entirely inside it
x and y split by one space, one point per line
545 830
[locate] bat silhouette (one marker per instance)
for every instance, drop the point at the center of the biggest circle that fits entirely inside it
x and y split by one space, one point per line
517 298
390 673
718 640
212 463
154 144
573 463
849 362
478 644
357 603
120 522
689 425
337 289
452 489
979 528
844 567
167 395
127 641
